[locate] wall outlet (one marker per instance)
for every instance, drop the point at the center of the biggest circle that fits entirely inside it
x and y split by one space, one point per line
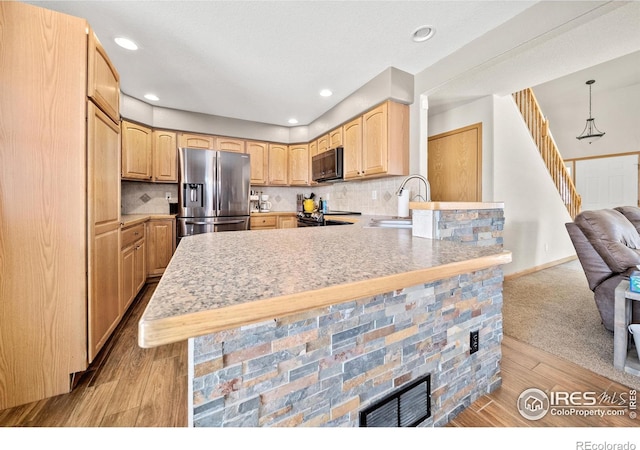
167 196
474 342
374 195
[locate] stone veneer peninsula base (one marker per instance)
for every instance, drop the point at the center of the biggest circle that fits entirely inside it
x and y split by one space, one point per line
311 326
323 366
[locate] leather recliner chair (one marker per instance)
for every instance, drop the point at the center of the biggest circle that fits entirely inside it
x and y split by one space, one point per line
607 243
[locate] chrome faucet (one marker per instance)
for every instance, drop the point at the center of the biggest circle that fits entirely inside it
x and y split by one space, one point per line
426 185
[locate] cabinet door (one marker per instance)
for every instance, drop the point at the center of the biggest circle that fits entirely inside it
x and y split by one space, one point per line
259 161
287 221
278 164
103 217
230 145
196 141
136 151
140 265
165 156
313 151
352 133
335 138
374 141
299 165
127 286
161 243
103 81
323 143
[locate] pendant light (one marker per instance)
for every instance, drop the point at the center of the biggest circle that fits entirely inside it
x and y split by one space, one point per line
590 132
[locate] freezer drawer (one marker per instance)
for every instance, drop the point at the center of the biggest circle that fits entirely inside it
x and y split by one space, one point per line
191 226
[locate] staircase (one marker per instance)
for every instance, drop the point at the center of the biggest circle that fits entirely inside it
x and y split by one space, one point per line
539 127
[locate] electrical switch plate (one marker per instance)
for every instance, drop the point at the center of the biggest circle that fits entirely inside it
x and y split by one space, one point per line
167 195
474 342
374 195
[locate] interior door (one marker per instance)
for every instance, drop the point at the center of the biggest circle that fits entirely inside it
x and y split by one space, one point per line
607 182
455 165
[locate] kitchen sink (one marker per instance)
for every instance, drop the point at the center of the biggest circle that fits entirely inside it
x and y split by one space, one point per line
390 223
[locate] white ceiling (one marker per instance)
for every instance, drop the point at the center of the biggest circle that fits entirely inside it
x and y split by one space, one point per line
266 61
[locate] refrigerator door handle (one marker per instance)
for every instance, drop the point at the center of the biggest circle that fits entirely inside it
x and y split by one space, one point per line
199 223
229 222
219 184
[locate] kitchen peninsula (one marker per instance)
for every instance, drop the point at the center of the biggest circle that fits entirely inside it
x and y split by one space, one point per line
311 326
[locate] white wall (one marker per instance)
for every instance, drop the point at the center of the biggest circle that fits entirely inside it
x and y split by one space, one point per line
514 173
534 213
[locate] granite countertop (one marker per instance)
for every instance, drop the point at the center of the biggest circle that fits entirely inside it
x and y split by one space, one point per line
218 281
127 220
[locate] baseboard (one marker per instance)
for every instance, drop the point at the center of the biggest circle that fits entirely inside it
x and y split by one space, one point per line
557 262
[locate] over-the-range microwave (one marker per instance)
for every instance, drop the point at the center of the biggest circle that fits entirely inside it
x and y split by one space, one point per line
328 166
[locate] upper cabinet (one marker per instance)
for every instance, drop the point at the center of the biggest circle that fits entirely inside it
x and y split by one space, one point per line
352 144
230 144
259 155
299 165
278 164
335 138
165 156
385 142
103 81
136 151
196 141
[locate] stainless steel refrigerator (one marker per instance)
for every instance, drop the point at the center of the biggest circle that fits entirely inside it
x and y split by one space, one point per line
213 191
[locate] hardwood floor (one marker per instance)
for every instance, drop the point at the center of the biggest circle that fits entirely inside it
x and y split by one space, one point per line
133 387
127 386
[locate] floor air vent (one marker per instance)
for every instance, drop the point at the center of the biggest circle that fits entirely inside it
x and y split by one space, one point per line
406 407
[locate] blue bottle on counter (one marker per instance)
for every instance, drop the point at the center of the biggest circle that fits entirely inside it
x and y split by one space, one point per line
322 205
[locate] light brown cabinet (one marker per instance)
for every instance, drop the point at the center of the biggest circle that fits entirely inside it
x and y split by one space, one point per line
103 215
352 152
161 244
259 154
278 165
133 261
59 278
136 151
272 221
165 156
196 141
385 142
299 164
230 145
287 221
335 138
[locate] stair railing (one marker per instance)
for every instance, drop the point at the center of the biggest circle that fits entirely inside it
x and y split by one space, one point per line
539 128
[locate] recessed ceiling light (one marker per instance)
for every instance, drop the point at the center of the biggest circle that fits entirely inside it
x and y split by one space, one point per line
152 97
293 121
326 93
126 43
423 33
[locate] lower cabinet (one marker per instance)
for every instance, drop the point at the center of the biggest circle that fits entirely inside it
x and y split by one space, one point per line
161 243
133 261
272 221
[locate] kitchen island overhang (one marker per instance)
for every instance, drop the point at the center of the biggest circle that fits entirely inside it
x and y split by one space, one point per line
356 315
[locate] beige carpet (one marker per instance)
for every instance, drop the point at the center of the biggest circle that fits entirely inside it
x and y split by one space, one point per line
554 310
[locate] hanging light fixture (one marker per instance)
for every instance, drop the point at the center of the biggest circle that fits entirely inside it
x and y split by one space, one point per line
590 131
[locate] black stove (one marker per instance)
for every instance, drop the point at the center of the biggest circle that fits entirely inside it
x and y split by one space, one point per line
316 219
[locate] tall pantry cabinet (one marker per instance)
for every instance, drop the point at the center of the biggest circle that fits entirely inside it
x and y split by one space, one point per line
59 201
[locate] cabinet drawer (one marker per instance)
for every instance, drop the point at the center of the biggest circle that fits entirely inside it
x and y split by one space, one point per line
262 222
132 234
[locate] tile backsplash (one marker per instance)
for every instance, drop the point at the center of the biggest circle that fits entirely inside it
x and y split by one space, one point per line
347 196
146 198
149 198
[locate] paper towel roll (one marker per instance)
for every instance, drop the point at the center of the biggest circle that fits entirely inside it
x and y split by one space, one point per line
403 203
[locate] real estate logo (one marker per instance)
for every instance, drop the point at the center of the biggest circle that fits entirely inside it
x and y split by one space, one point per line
534 404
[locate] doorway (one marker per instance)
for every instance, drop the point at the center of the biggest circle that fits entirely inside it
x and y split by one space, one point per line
455 165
